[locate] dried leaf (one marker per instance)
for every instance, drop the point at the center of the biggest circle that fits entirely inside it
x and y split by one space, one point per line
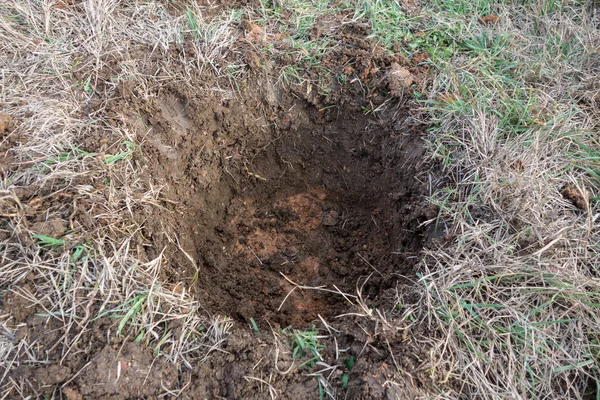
489 19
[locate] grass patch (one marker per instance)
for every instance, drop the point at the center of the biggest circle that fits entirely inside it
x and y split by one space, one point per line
305 345
514 292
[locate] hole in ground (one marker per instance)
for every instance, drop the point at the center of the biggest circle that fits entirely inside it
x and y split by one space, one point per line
255 193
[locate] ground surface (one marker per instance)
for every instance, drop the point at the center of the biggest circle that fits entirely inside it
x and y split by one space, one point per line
260 193
299 200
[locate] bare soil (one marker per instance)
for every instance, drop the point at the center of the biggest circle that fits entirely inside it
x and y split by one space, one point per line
262 195
319 199
260 190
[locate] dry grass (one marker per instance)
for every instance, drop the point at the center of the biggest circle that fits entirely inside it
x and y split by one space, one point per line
510 291
513 290
95 269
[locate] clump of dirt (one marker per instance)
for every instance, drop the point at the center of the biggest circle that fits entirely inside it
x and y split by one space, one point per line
579 199
6 122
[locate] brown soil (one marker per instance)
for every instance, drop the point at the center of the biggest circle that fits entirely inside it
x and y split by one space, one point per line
270 188
261 196
320 200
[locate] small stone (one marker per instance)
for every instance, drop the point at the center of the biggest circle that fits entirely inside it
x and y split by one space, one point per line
330 218
578 198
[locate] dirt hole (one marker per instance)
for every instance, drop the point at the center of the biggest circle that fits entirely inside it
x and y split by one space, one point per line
260 192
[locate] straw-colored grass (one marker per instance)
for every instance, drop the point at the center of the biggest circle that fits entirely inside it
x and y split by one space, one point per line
509 289
52 59
514 289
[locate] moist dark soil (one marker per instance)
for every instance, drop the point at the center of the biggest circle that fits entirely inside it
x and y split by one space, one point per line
261 198
267 195
271 201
